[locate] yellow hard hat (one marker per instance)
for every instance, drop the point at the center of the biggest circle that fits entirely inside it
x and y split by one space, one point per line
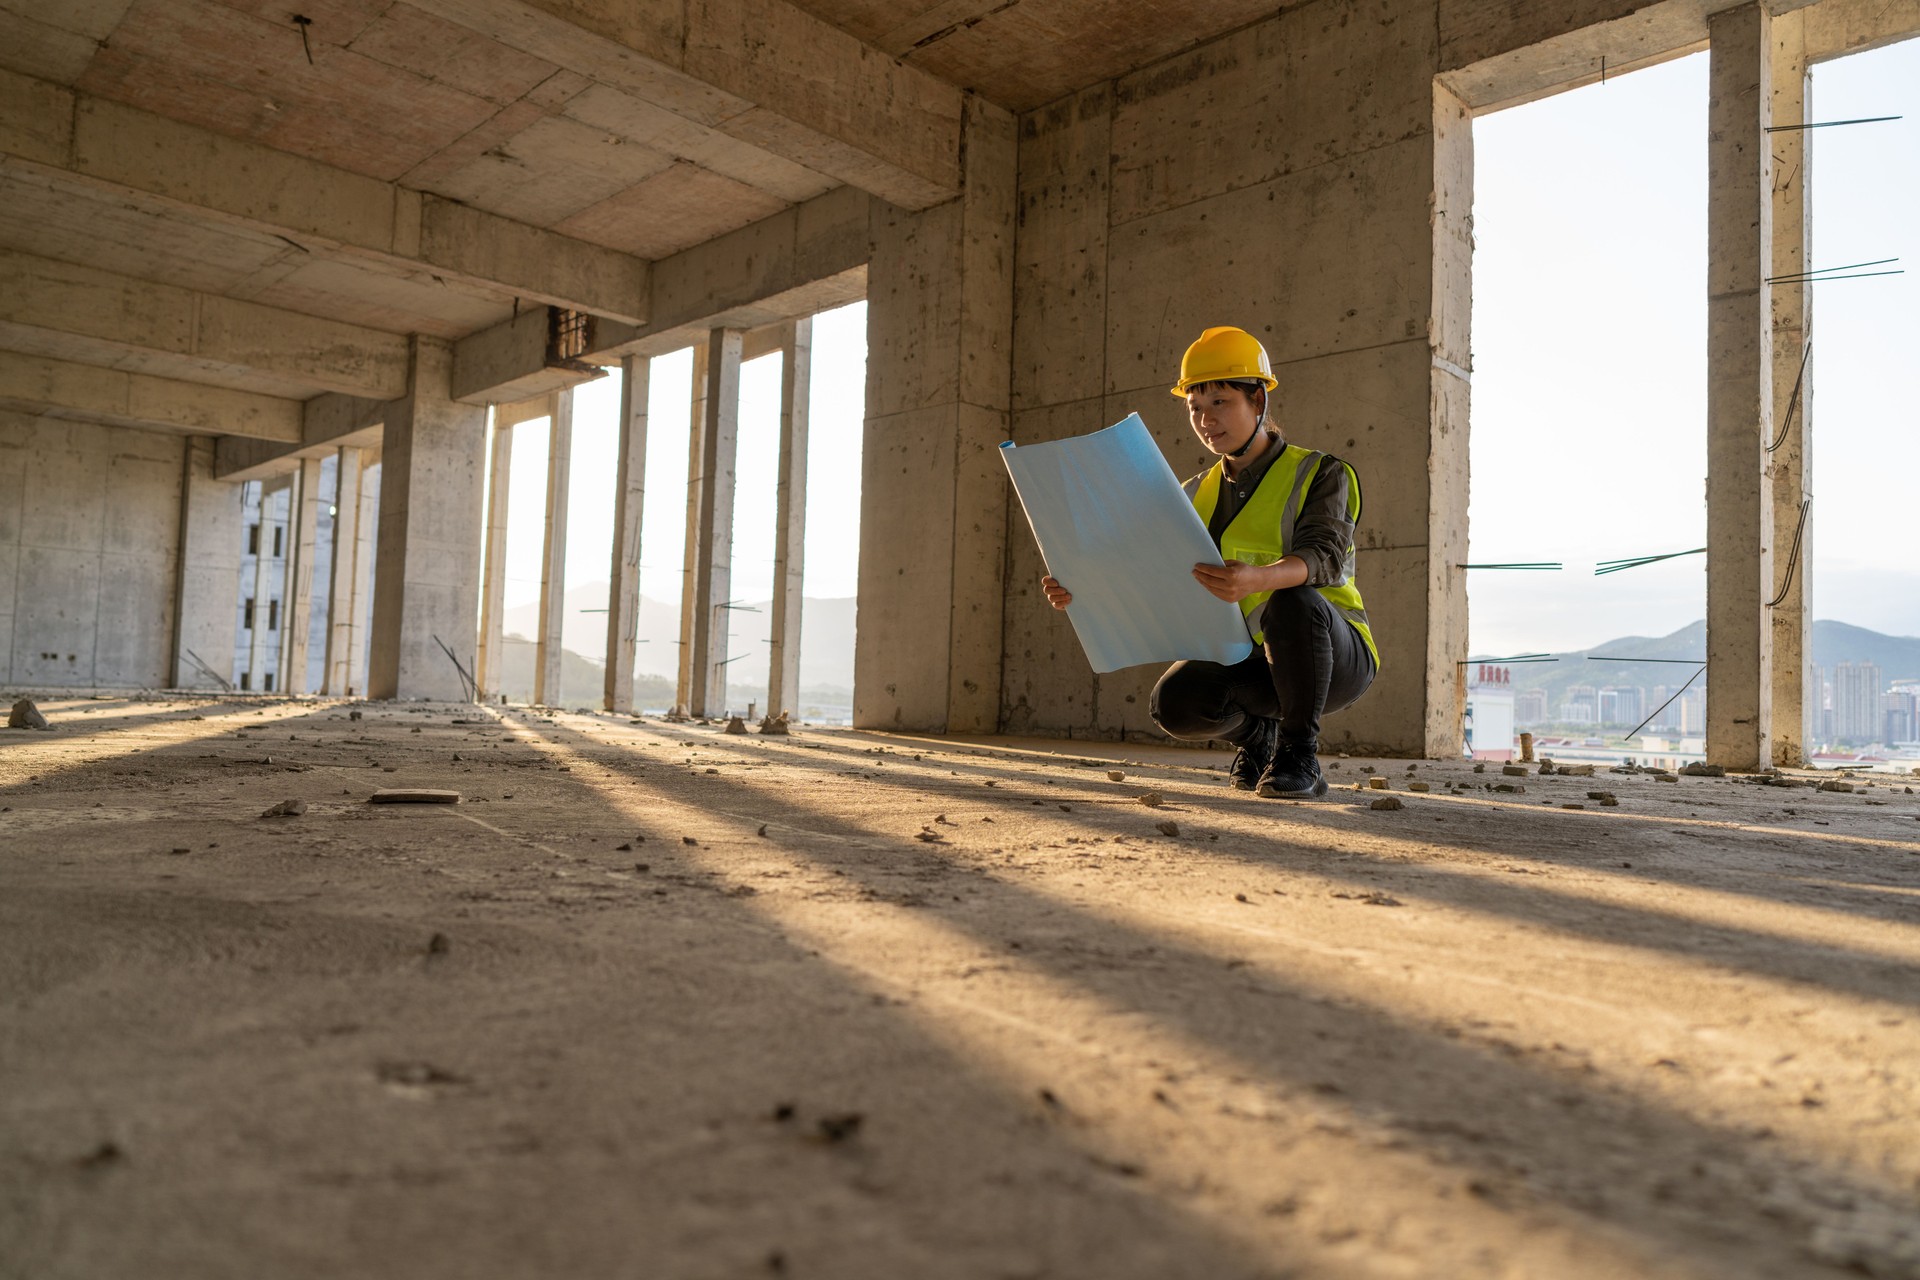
1225 354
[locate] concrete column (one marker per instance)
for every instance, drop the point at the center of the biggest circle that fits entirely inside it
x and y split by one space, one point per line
710 485
212 537
1740 578
269 584
553 555
790 517
933 489
629 496
690 544
303 535
493 584
366 548
428 573
1787 465
345 575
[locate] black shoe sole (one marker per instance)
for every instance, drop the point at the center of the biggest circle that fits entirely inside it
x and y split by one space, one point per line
1240 784
1318 789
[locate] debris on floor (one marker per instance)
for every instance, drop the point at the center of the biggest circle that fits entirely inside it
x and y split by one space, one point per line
413 795
26 716
286 809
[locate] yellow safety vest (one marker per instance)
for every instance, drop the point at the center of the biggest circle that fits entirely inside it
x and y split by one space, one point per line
1259 532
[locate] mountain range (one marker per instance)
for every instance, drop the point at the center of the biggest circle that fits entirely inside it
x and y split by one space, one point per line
1898 658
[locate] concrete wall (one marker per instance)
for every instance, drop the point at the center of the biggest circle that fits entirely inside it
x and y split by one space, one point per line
1305 179
89 537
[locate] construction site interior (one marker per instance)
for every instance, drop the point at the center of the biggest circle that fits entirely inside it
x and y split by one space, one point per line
995 980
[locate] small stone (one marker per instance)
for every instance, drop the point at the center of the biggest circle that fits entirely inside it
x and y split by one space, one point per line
1378 784
1511 788
1576 771
413 795
1480 767
735 725
1239 897
688 840
762 831
439 945
1151 799
180 849
1116 775
1517 770
625 848
286 809
641 868
777 725
353 715
1388 802
26 716
1701 769
1167 828
1834 784
1418 786
1573 806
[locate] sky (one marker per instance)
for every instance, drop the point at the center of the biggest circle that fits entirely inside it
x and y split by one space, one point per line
1589 350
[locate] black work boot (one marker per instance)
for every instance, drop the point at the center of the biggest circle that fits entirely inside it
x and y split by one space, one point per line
1294 773
1254 755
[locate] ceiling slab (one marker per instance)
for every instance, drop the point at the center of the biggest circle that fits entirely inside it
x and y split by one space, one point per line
682 206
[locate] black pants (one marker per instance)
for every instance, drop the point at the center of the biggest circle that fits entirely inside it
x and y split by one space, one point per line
1313 662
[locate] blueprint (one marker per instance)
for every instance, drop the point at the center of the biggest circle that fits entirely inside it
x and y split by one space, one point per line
1118 532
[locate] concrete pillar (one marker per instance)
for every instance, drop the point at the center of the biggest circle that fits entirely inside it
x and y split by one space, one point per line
790 517
366 549
709 560
428 573
346 576
269 583
933 520
493 584
212 537
629 497
303 536
553 555
1740 578
1787 465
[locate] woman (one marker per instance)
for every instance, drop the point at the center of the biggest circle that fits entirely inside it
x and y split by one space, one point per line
1283 518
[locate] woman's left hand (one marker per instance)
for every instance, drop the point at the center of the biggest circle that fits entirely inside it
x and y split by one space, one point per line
1233 581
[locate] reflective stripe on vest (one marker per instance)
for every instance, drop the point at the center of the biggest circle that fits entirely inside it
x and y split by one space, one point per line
1259 532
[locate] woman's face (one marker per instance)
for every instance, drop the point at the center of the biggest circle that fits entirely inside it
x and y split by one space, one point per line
1223 416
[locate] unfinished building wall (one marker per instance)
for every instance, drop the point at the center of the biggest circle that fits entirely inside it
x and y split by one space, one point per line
1305 179
89 536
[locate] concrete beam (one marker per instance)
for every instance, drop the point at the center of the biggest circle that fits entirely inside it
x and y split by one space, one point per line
508 363
795 263
327 422
88 393
1836 28
1496 54
98 317
1740 374
855 114
163 165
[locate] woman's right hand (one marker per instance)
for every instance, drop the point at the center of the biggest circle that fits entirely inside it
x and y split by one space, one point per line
1057 596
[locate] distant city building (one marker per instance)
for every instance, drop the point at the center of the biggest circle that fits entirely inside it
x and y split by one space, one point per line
1621 705
1856 703
1899 717
1489 715
1530 707
1579 706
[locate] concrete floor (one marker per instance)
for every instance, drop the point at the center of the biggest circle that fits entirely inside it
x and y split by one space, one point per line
658 1002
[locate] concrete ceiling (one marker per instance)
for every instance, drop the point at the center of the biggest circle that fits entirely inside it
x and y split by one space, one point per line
1022 53
212 193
